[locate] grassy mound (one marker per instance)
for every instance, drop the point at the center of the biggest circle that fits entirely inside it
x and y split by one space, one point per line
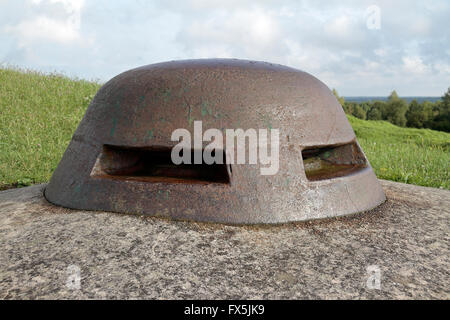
416 156
38 115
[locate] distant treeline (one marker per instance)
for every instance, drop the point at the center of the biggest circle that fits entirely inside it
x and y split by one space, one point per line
379 98
415 114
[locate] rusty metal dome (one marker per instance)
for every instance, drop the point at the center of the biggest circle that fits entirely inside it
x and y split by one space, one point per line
119 157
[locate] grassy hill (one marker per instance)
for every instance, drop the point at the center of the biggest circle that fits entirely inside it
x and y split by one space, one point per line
39 113
409 155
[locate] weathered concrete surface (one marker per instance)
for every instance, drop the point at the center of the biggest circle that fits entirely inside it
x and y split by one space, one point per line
128 256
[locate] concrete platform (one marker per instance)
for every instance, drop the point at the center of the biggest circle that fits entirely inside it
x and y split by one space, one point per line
129 256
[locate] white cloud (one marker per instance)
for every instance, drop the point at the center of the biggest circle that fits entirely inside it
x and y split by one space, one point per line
422 26
443 68
410 51
342 28
45 28
381 52
64 28
249 32
414 65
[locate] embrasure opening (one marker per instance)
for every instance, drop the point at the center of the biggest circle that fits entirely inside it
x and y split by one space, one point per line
326 162
154 164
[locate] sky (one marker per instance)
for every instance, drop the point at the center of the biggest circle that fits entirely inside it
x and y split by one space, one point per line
361 48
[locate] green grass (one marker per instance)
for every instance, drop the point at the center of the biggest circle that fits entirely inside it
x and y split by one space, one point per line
415 156
39 113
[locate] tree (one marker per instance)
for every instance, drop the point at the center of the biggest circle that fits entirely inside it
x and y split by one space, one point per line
446 100
395 110
374 114
382 107
418 115
442 119
445 106
393 96
339 98
359 112
349 107
427 109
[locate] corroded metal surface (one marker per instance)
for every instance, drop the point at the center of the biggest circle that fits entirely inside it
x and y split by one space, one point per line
141 108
